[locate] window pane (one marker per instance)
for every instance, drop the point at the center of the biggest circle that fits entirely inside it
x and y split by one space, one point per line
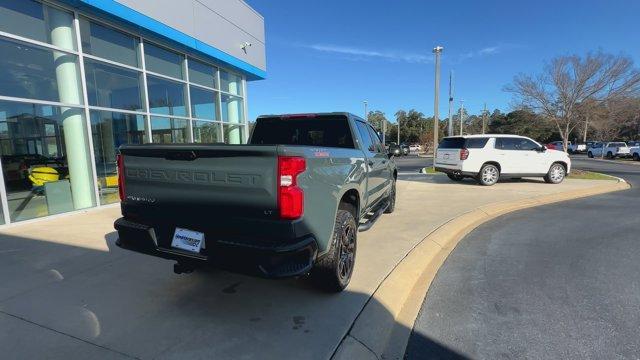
31 19
367 141
527 145
206 132
163 61
166 97
112 86
203 103
30 72
109 131
231 83
202 74
108 43
41 177
476 143
233 134
168 130
323 130
232 109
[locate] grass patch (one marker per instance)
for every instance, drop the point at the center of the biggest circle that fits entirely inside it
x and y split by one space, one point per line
589 175
429 170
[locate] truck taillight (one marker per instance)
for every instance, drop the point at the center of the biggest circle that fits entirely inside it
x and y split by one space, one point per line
120 163
464 154
290 196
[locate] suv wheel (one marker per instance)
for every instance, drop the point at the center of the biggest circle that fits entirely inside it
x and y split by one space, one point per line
556 174
590 155
455 177
636 157
391 199
333 271
610 155
488 175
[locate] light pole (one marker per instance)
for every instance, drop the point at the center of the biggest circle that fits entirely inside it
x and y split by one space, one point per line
399 132
450 132
366 118
461 115
436 117
484 118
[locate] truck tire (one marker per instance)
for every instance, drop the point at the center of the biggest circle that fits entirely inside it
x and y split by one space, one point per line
391 199
488 175
556 174
610 155
590 155
333 271
636 157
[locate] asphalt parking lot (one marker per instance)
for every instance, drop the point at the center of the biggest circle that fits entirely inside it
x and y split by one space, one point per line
557 281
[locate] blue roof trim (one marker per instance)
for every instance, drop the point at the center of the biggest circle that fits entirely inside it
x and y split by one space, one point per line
149 24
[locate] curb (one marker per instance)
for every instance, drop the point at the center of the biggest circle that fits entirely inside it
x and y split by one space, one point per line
379 334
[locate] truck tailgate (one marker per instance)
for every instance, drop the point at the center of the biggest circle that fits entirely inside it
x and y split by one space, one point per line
448 156
199 187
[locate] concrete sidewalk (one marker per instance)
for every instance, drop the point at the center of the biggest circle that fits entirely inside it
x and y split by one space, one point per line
68 292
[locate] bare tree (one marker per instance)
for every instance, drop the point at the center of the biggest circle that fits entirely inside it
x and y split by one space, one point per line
568 81
615 119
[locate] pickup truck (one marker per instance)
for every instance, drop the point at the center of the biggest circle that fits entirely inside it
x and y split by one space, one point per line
611 150
289 203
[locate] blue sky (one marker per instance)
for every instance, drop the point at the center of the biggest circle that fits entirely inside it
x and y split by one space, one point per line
330 55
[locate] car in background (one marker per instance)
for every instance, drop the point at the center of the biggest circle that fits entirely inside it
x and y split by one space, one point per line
571 147
611 150
555 145
552 146
405 149
487 158
393 149
634 149
415 148
577 148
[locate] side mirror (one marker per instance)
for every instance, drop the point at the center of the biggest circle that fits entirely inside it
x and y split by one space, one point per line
542 148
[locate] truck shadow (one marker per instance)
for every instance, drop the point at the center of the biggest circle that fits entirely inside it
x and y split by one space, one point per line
110 302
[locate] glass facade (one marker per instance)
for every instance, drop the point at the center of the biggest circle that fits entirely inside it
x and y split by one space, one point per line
74 88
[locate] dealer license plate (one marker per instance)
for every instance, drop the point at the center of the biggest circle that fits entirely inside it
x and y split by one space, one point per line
188 240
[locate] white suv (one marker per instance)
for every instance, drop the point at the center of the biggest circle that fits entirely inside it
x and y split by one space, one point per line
490 157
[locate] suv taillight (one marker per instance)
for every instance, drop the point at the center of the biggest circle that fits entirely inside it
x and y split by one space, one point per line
464 154
290 196
120 163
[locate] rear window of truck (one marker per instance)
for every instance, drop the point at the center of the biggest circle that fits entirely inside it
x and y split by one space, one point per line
459 143
323 131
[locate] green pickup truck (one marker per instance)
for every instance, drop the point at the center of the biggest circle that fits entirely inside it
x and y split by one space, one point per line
289 203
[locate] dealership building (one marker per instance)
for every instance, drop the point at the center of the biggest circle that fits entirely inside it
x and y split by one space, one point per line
79 78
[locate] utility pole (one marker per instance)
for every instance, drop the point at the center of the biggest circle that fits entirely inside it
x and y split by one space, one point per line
436 99
461 115
450 128
366 117
384 130
484 118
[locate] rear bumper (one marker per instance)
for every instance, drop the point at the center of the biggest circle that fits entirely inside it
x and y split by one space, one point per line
453 171
294 258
